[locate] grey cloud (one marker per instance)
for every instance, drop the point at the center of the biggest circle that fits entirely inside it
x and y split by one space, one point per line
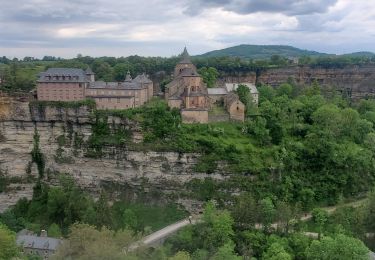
288 7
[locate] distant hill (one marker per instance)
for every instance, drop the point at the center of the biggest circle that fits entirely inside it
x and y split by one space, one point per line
261 52
360 54
248 51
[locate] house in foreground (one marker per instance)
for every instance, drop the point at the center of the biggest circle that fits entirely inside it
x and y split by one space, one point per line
67 84
42 246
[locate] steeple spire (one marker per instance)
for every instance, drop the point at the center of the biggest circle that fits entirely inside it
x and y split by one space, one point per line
185 56
128 77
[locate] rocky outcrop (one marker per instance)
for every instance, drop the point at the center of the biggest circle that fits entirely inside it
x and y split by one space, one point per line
141 170
355 81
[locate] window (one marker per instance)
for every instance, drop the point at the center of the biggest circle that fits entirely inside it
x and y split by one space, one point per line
109 100
118 100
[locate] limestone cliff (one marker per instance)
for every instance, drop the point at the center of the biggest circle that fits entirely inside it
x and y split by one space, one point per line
356 81
139 170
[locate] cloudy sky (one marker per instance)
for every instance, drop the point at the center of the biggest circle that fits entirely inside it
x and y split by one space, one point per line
163 27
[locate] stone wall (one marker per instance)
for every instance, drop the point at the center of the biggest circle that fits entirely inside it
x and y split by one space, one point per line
194 116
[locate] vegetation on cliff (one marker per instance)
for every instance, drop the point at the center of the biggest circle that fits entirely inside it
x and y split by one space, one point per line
57 208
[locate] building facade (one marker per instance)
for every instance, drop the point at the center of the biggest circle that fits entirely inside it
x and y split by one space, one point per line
121 95
65 84
189 93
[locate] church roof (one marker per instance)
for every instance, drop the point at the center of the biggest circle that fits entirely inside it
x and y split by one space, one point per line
34 242
189 72
89 71
142 78
63 74
217 91
185 57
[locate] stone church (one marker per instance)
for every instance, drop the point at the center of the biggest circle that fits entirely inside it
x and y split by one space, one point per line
189 93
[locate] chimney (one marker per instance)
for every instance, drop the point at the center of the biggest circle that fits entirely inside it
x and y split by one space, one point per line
43 233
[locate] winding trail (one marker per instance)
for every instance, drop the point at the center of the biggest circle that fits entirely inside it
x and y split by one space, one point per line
158 237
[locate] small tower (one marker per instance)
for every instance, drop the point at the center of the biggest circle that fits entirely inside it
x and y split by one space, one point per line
185 56
128 77
90 75
185 63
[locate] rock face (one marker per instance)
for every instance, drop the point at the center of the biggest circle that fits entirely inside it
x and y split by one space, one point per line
165 171
354 81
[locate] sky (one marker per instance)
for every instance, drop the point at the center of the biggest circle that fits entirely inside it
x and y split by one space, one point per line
118 28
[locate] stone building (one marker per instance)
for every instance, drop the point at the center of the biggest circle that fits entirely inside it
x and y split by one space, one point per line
188 93
235 107
66 84
121 95
42 246
63 84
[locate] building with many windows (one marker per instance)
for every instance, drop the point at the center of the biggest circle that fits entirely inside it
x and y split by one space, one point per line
66 84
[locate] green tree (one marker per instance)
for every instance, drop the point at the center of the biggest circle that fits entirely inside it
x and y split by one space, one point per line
266 92
8 247
103 213
180 255
103 70
285 89
209 75
276 252
320 218
267 211
245 211
226 252
340 247
54 231
86 242
244 94
129 219
369 212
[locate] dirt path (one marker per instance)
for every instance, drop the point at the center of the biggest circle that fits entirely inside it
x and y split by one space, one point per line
162 234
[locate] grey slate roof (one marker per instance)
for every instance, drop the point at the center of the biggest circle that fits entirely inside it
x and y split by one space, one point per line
142 79
76 75
185 57
89 71
35 242
136 83
217 91
186 72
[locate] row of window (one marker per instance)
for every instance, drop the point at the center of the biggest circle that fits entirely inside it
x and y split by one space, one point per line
94 92
113 99
115 107
61 77
58 97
